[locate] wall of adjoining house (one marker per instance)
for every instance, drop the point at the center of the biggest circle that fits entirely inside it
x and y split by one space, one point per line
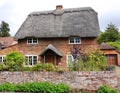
107 51
80 80
9 49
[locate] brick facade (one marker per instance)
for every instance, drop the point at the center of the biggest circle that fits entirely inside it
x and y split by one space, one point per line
62 44
112 52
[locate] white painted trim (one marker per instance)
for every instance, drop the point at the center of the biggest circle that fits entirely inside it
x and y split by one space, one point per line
74 40
32 59
2 57
32 41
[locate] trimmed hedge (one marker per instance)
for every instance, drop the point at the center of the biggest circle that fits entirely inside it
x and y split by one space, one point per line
42 87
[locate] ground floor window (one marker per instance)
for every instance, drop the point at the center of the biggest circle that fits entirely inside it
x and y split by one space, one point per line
2 58
31 60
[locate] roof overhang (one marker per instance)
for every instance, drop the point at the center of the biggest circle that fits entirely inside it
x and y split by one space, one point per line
52 48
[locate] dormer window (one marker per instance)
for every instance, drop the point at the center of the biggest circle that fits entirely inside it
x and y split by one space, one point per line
74 40
32 40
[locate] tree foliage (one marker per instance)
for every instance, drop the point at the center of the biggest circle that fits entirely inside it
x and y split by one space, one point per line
116 45
4 29
111 34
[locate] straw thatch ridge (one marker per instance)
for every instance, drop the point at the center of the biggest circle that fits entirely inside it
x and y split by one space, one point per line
81 22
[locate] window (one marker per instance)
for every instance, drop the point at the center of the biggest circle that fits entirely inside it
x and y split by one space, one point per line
74 40
32 41
2 58
69 58
31 60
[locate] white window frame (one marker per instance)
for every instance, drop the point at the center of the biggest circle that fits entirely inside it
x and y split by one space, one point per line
3 59
74 40
67 59
32 60
32 41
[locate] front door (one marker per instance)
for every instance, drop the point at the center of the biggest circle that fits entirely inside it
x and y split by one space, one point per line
50 59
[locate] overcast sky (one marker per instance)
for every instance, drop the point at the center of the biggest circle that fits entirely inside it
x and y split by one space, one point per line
14 12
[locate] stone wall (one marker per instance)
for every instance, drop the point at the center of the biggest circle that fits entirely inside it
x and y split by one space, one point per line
80 80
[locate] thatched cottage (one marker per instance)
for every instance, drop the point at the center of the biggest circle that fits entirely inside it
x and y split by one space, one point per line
51 36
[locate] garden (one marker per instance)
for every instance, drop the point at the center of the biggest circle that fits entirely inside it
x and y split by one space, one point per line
94 61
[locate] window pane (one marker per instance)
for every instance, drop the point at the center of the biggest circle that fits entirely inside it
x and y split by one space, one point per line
0 59
71 40
29 40
34 60
77 40
30 60
35 40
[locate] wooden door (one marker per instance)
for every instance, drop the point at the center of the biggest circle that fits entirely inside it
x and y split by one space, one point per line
112 59
50 59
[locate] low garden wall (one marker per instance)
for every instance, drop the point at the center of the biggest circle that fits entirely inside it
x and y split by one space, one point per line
78 80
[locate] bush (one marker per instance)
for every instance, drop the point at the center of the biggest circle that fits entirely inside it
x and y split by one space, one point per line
44 87
37 67
94 61
6 87
14 61
106 89
48 67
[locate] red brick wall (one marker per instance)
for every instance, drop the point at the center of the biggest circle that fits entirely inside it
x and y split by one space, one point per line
112 52
62 44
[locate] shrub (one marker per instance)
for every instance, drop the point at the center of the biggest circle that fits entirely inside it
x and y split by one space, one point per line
14 61
94 61
6 87
37 67
106 89
42 87
48 67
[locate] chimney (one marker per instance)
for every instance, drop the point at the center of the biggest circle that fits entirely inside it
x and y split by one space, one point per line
59 7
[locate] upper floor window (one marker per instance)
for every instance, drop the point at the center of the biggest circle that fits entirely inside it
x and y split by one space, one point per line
31 59
2 58
74 40
32 40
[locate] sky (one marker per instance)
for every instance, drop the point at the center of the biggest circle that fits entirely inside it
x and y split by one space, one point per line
14 12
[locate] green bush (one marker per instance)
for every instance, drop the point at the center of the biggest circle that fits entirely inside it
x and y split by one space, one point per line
37 67
106 89
94 61
6 87
1 67
14 61
115 44
48 67
43 87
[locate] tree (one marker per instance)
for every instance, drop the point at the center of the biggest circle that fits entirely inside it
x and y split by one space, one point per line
4 29
111 34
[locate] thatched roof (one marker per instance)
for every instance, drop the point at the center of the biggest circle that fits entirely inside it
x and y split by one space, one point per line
81 22
51 47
